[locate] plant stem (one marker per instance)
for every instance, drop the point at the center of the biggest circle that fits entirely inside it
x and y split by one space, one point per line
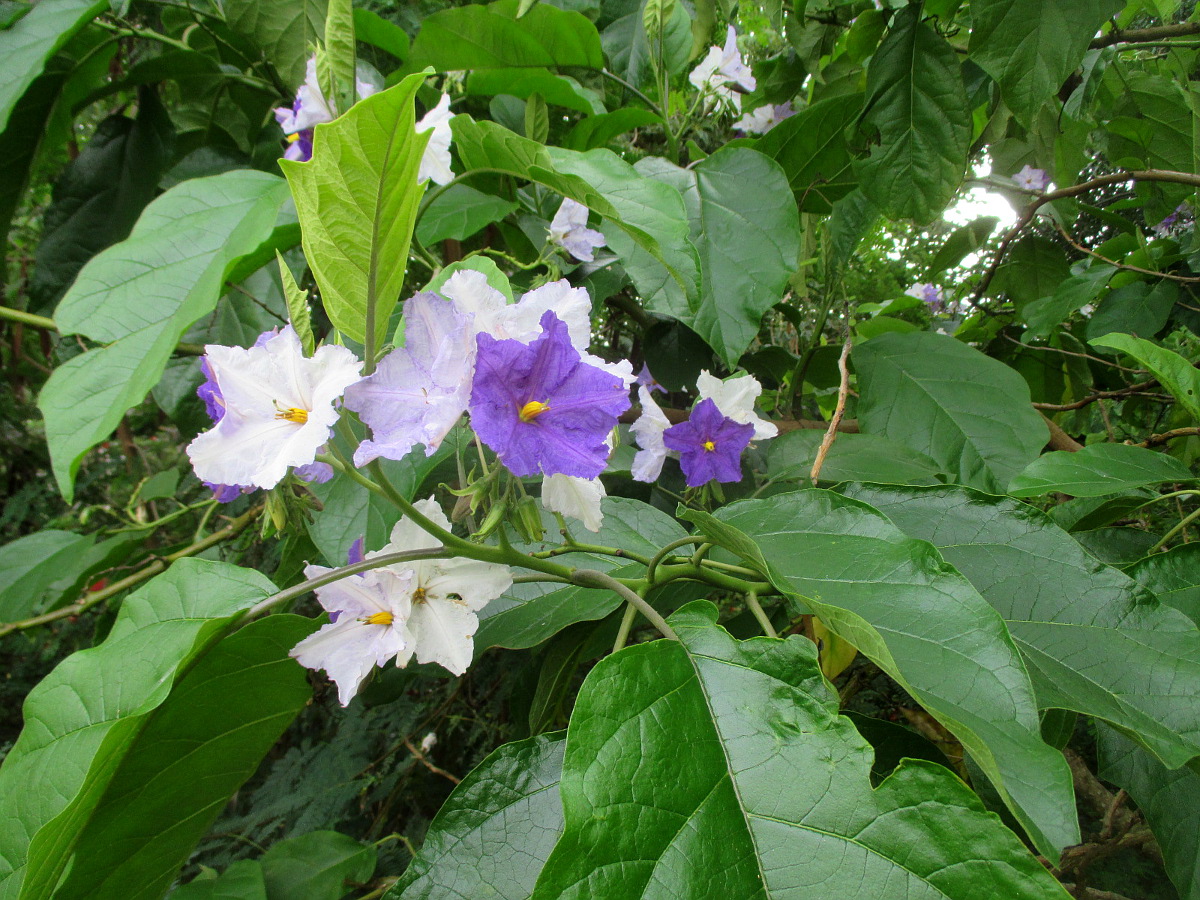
759 613
625 626
662 554
592 578
1188 520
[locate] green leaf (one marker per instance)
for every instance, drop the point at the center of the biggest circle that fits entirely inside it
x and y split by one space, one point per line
320 865
896 600
1170 801
1138 308
720 768
537 118
84 718
746 230
962 242
1097 470
1072 294
1174 577
1095 640
209 736
371 28
1174 372
917 102
339 59
1034 269
935 395
597 131
853 457
33 39
241 881
31 564
460 212
99 197
140 296
530 613
491 36
812 148
631 52
285 30
1030 47
493 833
297 306
557 90
357 200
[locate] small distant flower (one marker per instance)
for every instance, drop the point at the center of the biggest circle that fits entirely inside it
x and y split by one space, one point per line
709 445
763 119
579 498
932 295
278 409
648 433
1177 221
420 390
444 594
541 407
1031 179
428 742
569 230
722 68
645 378
435 164
735 398
369 625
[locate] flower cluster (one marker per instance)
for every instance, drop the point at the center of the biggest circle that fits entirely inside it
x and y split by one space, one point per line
423 608
312 108
723 74
932 295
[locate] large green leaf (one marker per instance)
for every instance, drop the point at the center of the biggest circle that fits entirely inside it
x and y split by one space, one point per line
530 613
853 457
720 768
194 751
29 44
895 599
557 90
917 102
1174 577
357 200
596 131
459 213
746 230
31 564
630 52
285 30
1094 639
1174 372
493 833
1170 801
241 881
1030 47
85 717
936 395
139 297
649 215
1097 470
812 148
319 865
491 36
99 197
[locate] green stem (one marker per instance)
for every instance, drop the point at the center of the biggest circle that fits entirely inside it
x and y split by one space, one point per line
1170 496
654 107
144 33
756 608
18 315
662 554
592 578
626 625
789 403
1188 519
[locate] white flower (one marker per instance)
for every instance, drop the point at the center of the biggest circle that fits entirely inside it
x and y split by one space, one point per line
569 230
368 626
279 409
445 594
648 432
721 68
311 107
763 119
578 498
1031 179
435 164
735 399
428 742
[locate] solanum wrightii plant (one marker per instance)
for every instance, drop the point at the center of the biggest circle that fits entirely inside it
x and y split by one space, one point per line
833 549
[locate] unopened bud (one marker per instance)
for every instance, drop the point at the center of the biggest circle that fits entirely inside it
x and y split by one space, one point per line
526 518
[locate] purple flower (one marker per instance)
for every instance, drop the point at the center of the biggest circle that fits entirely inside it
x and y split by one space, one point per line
540 407
210 393
1031 179
226 493
645 378
299 146
930 293
709 445
315 472
1175 222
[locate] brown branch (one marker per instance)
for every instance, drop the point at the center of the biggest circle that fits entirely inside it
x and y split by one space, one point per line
1074 190
838 412
1091 893
1074 353
1149 35
91 599
424 760
1059 439
1156 440
1187 279
1099 395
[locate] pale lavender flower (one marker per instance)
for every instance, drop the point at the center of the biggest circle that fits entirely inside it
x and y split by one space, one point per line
723 70
763 119
569 230
931 294
1031 179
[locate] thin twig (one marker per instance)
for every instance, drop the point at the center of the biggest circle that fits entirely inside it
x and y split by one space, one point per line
1188 279
1075 353
1156 440
1099 395
592 578
424 760
1153 34
838 412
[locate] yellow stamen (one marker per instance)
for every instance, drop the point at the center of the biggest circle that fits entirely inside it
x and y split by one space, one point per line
292 138
532 410
379 618
710 446
418 595
293 414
